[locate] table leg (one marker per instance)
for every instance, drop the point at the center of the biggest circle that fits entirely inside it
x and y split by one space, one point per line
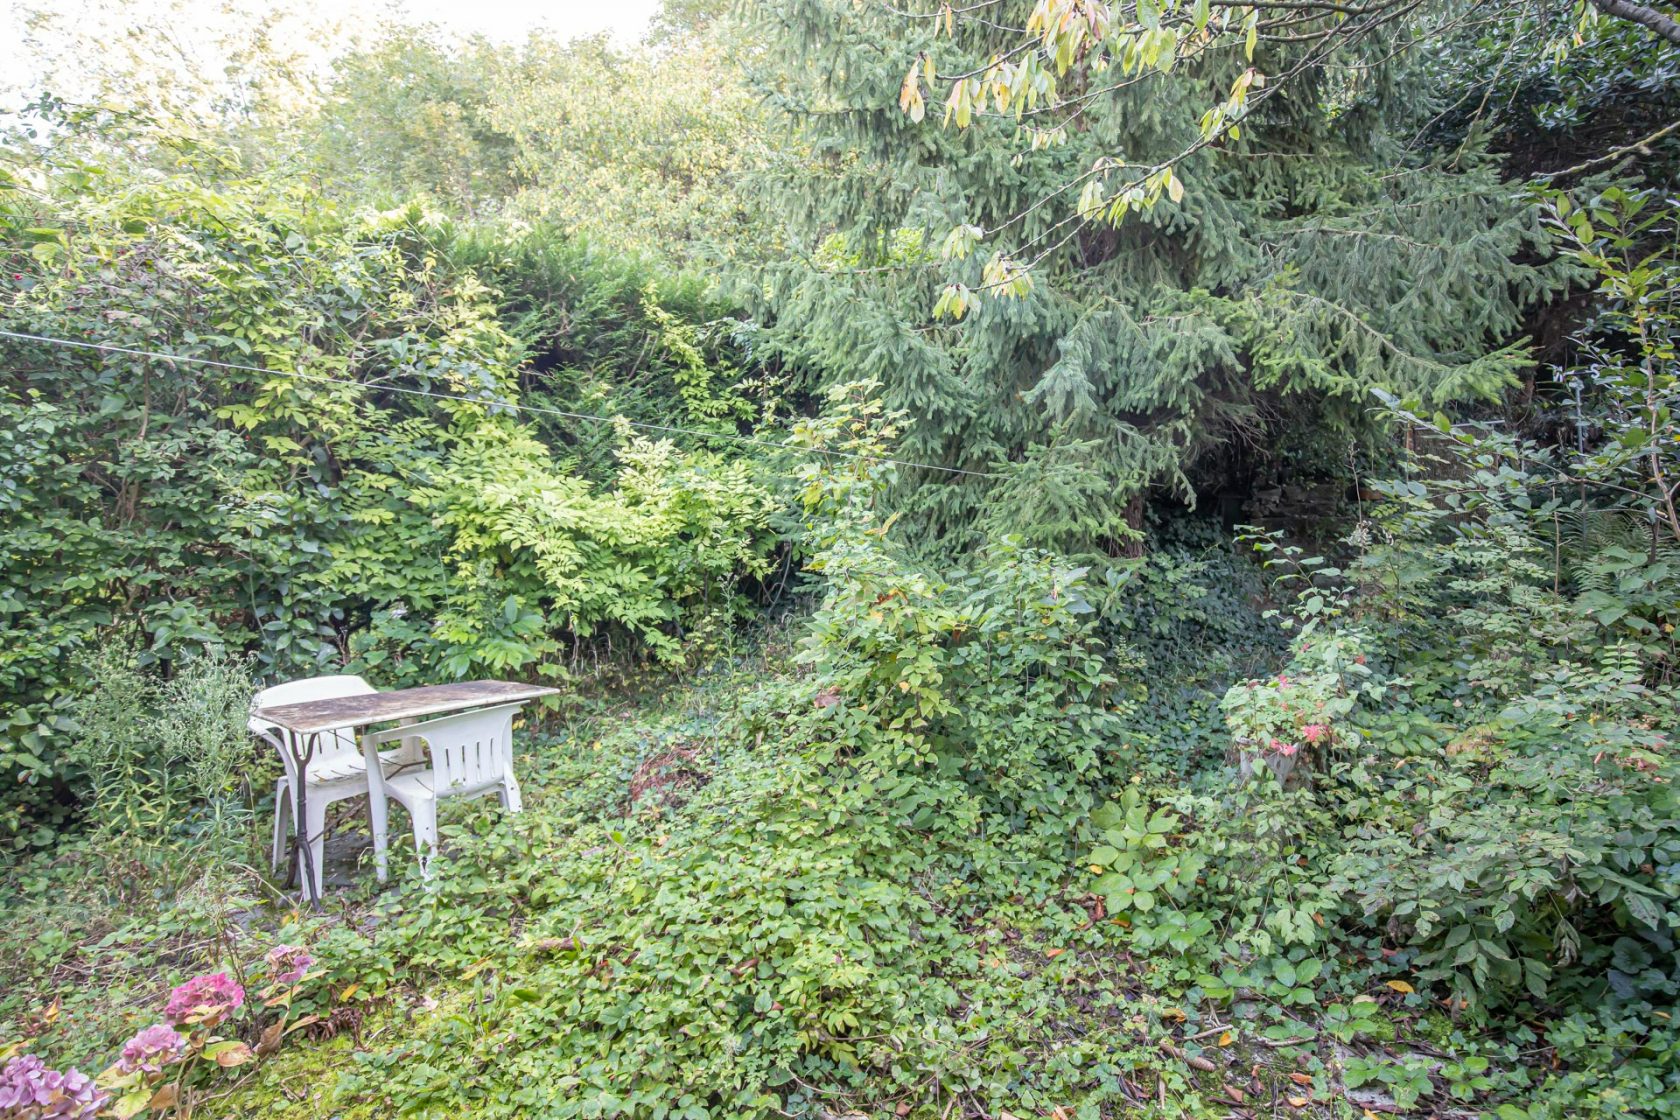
303 842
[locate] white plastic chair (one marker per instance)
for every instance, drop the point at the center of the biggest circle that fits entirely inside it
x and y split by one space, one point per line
337 769
471 755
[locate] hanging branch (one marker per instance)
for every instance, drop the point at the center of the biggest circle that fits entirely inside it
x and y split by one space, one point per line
1650 18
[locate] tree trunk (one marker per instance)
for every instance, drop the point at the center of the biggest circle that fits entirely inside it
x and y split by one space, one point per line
1133 547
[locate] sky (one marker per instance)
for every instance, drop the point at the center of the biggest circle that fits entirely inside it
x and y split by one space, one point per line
498 19
49 53
510 19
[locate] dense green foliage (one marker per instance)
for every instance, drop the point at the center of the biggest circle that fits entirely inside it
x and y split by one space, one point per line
308 500
923 751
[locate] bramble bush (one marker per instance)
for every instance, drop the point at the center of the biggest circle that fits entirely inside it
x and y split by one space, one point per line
982 697
1006 832
1492 803
1485 685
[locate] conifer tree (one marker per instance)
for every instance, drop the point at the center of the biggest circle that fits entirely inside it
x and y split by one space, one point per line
1301 262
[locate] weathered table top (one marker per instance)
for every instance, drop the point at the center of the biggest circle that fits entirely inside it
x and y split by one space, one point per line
314 716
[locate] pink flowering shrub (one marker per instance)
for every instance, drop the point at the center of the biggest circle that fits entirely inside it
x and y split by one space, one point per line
156 1064
288 964
31 1091
204 1000
1281 720
160 1065
153 1048
1282 714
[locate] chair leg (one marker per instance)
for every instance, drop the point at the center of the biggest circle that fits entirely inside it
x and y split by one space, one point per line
423 811
509 793
282 823
379 816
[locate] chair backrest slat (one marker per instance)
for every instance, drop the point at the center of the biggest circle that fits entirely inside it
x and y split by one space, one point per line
470 751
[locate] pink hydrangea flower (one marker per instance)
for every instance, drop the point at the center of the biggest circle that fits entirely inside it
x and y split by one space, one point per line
28 1089
287 964
1287 750
204 999
1313 732
152 1049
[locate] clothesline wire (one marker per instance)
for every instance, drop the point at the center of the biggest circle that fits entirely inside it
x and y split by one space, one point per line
527 408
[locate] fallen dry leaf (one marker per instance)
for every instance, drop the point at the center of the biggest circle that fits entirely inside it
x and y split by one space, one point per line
270 1040
306 1021
236 1055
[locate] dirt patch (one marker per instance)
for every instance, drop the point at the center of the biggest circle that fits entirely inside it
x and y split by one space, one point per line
345 1018
666 779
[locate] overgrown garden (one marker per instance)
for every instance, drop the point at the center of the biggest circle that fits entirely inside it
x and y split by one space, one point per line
1102 560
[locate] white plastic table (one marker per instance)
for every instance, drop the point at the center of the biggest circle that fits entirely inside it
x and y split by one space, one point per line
309 720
